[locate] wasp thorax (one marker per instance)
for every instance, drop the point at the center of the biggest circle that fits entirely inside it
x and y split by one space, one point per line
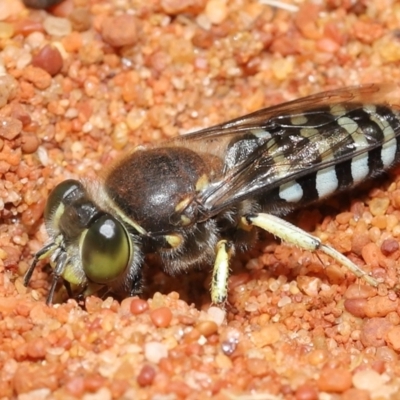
156 187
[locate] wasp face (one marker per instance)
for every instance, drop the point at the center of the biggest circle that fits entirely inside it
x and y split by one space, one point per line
89 246
196 198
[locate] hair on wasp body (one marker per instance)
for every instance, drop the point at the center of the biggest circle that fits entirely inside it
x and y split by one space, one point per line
198 198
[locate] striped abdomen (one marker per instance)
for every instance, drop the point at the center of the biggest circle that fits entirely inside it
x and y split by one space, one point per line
354 146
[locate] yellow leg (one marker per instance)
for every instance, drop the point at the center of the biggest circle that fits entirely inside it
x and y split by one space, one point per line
294 235
219 283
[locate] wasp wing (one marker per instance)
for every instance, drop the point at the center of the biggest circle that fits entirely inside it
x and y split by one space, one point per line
372 93
216 139
273 146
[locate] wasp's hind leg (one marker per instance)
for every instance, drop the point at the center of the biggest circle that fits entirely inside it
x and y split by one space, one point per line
294 235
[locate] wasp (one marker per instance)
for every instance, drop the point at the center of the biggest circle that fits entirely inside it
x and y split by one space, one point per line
198 198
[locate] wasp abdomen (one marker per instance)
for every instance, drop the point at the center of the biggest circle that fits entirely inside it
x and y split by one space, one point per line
360 144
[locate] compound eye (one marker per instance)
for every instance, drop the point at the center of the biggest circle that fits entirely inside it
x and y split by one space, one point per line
64 193
105 250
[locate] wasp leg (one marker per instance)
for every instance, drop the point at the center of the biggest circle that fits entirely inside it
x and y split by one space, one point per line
219 282
41 254
294 235
68 289
57 273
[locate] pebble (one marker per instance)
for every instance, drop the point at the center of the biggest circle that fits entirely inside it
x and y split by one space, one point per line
318 356
135 118
37 76
49 59
335 380
282 68
359 241
385 353
75 386
37 348
306 18
101 394
216 11
207 328
138 306
306 392
223 361
356 307
379 205
265 336
175 7
155 351
389 246
353 393
31 216
367 31
258 367
373 332
81 19
10 128
328 45
8 305
29 143
359 291
57 26
309 285
63 9
393 338
161 317
8 89
91 53
27 27
217 314
72 42
120 31
380 306
344 218
35 40
24 59
380 221
5 10
146 375
368 379
37 394
371 254
29 377
396 199
6 30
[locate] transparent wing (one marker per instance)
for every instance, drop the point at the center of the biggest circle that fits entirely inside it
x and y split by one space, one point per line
372 93
275 145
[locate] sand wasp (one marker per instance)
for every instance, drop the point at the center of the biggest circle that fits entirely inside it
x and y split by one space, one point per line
197 198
